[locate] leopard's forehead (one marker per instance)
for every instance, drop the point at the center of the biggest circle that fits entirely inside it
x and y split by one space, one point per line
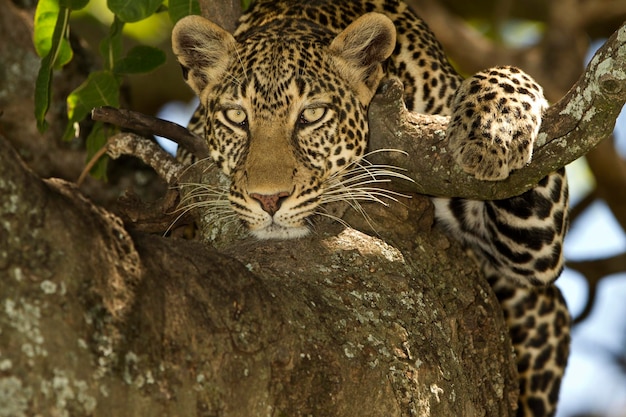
276 65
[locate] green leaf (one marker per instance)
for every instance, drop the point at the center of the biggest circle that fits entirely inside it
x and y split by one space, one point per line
140 59
245 4
42 92
133 10
95 141
74 4
48 17
111 46
100 89
43 84
181 8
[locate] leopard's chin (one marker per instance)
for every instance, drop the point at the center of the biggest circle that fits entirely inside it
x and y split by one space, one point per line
276 231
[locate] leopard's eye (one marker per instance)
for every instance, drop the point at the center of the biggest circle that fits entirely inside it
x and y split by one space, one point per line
236 116
312 114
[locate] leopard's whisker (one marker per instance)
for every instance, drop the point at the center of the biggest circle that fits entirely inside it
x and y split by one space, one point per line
322 212
196 162
355 181
203 195
213 199
216 208
330 216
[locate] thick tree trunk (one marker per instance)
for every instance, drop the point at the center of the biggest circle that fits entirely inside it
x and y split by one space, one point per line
99 321
96 320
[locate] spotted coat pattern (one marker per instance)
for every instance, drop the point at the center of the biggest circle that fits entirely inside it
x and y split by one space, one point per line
284 106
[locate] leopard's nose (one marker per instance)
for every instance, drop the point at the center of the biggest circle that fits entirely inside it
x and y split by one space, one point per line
271 202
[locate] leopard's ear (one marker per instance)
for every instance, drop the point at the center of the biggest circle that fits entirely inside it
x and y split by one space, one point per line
360 50
204 50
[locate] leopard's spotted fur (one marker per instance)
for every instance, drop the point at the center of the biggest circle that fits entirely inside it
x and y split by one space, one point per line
283 108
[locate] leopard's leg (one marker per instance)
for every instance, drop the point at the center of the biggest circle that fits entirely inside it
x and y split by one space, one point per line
518 242
539 325
519 237
496 115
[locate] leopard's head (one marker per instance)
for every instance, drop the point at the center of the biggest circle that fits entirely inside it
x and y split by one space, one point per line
285 110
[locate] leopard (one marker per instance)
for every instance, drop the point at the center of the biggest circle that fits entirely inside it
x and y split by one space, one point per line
283 110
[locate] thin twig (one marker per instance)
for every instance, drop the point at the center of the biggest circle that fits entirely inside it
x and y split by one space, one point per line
594 271
166 166
582 206
147 125
90 164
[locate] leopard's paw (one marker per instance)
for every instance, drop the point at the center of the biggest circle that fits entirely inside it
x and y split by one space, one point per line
495 120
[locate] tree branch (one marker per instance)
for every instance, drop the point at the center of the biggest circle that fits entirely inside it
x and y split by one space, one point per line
149 152
570 128
555 62
223 12
147 125
594 12
595 271
594 16
609 170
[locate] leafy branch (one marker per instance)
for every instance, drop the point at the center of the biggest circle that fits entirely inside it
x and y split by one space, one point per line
101 88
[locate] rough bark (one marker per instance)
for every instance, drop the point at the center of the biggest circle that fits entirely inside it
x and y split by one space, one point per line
556 61
223 12
342 324
571 128
96 320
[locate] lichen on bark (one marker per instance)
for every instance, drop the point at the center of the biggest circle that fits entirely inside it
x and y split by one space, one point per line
340 324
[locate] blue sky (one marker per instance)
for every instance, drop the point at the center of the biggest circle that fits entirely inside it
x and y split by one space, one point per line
593 382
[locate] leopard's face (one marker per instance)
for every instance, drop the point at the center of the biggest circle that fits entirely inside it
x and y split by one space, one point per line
285 112
282 133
